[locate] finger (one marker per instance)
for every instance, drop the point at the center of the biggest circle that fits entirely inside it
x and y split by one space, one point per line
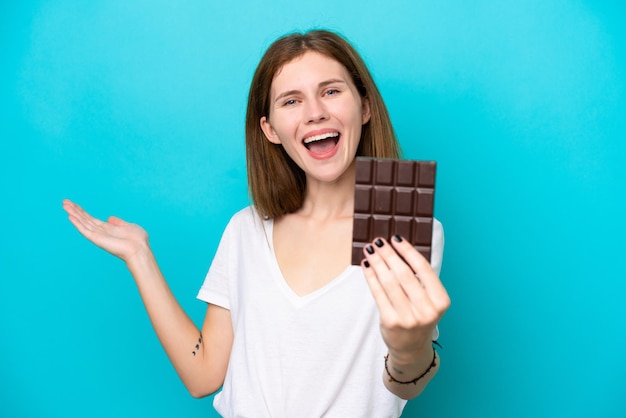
404 277
419 264
85 230
91 228
70 207
73 209
380 296
378 255
114 220
82 216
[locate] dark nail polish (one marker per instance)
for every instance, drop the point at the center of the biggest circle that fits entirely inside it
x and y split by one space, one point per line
397 238
366 263
369 249
379 242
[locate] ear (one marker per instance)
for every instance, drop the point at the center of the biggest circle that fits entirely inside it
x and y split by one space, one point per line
366 112
269 132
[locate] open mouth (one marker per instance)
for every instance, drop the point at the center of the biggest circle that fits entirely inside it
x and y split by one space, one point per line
322 143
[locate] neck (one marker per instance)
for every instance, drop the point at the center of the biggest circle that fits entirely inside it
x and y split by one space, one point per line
330 200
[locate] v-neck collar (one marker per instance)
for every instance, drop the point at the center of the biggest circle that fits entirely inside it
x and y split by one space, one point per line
281 282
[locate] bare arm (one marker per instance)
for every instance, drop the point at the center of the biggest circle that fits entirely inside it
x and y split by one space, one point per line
411 301
199 357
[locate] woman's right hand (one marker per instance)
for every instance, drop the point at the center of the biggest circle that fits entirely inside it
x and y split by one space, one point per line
118 237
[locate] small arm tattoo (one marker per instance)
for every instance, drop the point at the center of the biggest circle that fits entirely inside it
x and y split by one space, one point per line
397 370
198 344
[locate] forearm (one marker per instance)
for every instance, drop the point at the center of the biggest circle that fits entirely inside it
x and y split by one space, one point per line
407 376
200 361
189 351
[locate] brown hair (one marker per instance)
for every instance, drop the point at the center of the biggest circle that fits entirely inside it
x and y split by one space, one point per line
275 182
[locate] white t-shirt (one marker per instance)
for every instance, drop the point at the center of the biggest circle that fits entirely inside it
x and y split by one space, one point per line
320 355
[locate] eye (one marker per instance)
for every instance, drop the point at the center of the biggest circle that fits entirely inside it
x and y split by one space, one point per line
332 92
289 102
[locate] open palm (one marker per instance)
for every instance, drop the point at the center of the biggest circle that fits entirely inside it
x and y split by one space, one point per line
115 236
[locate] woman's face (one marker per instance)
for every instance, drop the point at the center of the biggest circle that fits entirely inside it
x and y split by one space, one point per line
316 114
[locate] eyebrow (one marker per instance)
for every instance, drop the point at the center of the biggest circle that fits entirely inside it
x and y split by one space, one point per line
321 84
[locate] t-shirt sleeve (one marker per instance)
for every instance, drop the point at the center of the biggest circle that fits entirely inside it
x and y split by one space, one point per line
436 251
215 289
436 258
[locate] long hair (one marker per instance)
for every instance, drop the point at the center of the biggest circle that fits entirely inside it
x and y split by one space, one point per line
276 184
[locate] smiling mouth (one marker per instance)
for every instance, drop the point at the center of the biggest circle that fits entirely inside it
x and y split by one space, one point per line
321 143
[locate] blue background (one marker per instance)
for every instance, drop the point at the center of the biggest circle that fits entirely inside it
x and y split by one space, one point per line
136 108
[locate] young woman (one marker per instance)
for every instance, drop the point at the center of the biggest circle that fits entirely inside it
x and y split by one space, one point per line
292 329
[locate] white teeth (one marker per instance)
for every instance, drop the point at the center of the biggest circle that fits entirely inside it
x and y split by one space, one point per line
320 137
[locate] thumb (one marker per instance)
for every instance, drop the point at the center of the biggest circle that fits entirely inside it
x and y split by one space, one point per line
114 220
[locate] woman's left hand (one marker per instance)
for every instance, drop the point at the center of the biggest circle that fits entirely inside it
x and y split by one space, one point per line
409 295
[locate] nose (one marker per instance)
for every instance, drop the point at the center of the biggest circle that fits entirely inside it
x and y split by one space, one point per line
315 111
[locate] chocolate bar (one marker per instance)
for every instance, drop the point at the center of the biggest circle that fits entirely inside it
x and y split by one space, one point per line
393 197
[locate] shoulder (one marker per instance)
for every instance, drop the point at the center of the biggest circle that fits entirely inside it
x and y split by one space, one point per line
244 214
245 219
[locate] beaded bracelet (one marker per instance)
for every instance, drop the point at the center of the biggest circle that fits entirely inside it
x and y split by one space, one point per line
414 381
